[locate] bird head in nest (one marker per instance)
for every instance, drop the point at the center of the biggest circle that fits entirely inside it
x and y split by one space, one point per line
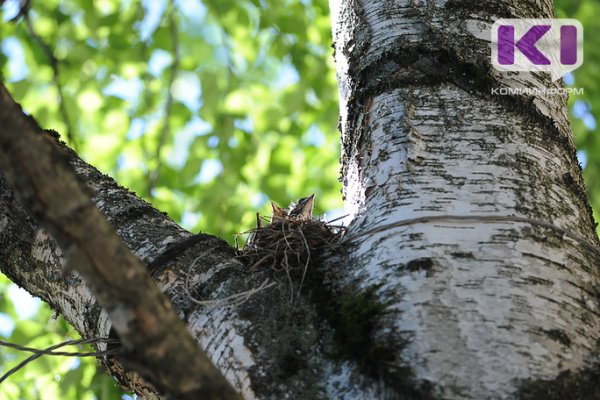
301 210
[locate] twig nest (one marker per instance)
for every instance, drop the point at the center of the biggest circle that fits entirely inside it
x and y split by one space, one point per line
289 247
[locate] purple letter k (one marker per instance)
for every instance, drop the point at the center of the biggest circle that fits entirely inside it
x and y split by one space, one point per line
506 39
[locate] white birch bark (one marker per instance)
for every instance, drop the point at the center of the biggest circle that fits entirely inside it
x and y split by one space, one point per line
469 208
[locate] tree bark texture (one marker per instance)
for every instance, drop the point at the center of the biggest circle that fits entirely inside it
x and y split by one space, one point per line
470 217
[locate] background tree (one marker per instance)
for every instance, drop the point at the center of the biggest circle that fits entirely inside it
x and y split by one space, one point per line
250 123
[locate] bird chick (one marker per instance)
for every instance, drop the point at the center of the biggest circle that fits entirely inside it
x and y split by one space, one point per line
301 210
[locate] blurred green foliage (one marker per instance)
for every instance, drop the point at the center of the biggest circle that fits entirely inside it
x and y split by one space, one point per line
208 109
584 108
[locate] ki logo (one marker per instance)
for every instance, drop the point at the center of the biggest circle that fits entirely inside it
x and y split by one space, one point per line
551 45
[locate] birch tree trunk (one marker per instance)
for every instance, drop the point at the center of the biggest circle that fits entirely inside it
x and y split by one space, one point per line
469 270
471 219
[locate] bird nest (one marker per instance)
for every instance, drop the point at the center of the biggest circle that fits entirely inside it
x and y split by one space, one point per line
290 247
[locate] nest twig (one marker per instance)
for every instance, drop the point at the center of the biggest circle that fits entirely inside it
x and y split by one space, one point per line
290 246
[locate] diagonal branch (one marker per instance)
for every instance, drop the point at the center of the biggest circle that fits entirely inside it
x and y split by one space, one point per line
152 336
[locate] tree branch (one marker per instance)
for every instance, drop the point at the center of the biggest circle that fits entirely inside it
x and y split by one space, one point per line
152 335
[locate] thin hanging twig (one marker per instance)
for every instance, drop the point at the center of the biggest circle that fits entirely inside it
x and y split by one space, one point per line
50 351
